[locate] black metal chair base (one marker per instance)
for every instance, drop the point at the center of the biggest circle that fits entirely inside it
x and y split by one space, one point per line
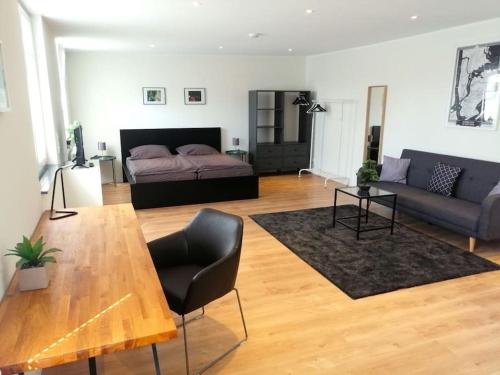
223 355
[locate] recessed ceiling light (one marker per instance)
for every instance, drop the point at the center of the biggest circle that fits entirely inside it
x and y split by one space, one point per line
309 11
152 45
196 3
414 17
221 47
290 49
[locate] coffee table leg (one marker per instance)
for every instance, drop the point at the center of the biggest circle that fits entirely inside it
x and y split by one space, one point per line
367 209
114 175
359 218
394 203
335 208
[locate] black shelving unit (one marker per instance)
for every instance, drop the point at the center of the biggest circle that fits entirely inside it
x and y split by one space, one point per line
279 132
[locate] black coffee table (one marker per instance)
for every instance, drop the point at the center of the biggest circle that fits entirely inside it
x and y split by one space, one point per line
361 195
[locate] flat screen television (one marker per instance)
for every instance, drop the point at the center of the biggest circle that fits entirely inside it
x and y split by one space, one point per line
79 160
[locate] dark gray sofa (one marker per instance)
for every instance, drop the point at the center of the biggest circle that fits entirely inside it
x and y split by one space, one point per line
470 211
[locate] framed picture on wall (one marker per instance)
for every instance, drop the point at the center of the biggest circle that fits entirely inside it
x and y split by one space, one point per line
4 95
154 95
195 96
475 97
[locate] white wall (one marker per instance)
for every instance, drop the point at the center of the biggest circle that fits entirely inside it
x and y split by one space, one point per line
419 73
105 91
20 201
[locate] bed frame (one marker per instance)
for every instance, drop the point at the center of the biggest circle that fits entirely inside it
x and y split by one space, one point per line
174 193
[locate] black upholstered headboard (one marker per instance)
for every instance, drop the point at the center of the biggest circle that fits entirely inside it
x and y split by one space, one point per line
172 138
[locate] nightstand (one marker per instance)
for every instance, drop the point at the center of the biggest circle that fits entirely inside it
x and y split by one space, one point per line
239 154
107 158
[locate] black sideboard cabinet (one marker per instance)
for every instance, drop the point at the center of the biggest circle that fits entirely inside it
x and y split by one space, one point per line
279 131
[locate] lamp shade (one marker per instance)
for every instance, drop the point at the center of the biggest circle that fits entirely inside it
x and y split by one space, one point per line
236 141
101 146
316 108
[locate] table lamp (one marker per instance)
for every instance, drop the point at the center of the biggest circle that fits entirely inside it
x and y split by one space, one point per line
236 142
101 146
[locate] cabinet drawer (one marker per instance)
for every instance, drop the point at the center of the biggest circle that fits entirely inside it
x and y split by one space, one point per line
295 162
269 151
268 164
296 149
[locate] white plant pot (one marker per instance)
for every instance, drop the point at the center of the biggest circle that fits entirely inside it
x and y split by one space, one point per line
33 278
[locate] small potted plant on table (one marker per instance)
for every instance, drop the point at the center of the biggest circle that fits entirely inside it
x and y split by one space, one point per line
366 174
33 257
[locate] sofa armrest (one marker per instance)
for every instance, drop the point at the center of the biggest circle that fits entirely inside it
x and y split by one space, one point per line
489 220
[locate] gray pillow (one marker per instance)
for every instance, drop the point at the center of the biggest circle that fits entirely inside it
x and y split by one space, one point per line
495 190
196 149
394 170
149 152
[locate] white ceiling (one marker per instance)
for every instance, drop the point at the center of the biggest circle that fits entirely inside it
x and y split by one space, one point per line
178 27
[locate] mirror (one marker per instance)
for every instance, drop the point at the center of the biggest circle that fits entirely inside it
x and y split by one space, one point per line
375 120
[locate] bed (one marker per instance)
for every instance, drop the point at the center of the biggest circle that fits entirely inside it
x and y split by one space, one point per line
184 179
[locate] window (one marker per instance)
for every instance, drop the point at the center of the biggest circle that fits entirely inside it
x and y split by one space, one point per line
37 118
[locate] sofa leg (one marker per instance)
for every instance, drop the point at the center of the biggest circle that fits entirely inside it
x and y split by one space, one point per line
472 244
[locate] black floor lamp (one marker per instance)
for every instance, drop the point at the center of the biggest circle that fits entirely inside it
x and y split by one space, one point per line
62 214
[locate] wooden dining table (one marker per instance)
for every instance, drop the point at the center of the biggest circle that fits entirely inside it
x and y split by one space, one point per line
104 295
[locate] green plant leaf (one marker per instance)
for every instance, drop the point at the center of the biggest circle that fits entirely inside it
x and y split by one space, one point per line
38 247
47 259
49 251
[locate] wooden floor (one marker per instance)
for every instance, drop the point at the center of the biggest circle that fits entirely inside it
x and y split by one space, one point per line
300 323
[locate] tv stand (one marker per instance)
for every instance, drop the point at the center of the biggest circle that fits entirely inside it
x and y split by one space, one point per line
79 166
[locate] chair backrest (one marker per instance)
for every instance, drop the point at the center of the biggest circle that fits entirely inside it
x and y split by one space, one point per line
477 179
214 241
213 235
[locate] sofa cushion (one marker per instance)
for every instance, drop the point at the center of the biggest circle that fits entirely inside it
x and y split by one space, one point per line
443 179
495 190
394 169
454 211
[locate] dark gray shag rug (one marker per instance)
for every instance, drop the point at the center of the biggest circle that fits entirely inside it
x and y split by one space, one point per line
378 262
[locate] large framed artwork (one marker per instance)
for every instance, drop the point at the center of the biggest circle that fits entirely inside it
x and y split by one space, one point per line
475 98
154 95
4 96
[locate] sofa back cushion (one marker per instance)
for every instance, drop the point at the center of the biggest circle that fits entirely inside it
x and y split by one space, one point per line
477 179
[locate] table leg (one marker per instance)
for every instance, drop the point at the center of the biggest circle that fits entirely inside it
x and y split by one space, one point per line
359 218
367 209
114 176
335 208
92 366
394 203
155 360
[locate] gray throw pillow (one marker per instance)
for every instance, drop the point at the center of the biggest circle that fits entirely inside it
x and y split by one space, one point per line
196 149
394 170
149 152
495 190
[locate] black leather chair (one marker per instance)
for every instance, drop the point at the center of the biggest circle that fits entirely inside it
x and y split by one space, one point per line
199 264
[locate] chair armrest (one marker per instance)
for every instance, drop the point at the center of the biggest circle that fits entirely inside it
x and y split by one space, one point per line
212 282
489 220
169 251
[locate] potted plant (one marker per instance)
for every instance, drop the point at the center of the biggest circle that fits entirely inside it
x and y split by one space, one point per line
33 257
366 174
